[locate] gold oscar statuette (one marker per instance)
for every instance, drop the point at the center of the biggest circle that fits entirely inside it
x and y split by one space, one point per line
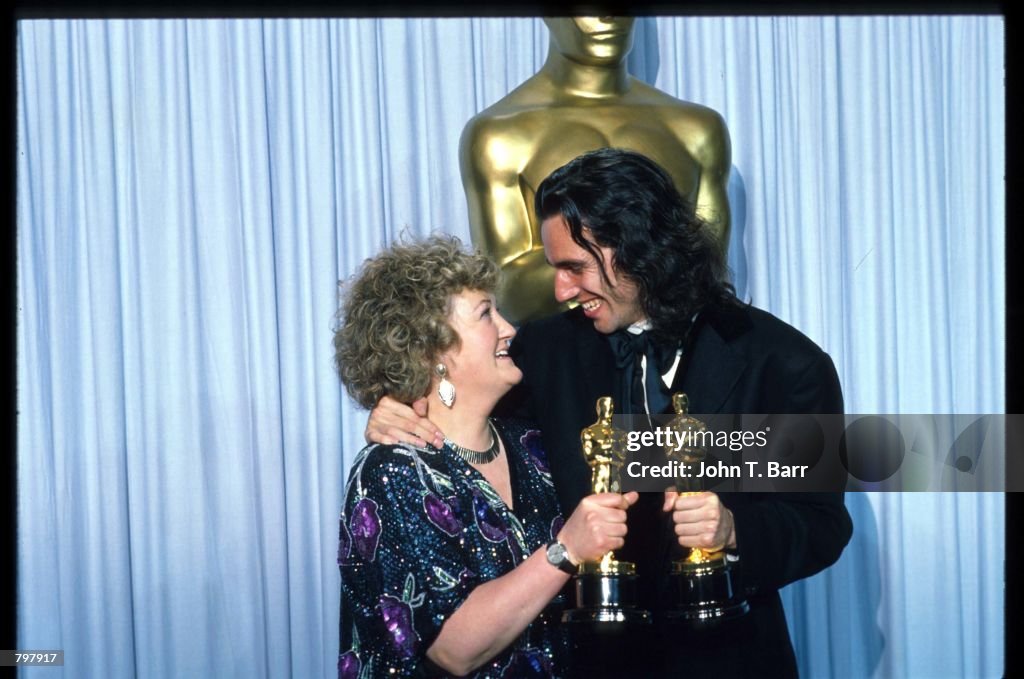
702 581
606 589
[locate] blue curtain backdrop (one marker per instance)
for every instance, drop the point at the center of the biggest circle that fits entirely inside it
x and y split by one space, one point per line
190 192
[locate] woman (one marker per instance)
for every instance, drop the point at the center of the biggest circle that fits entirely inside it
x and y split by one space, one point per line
444 552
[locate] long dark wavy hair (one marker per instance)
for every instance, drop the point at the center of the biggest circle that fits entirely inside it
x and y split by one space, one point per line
629 203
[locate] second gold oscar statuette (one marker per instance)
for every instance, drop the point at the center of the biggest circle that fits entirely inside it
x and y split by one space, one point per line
702 581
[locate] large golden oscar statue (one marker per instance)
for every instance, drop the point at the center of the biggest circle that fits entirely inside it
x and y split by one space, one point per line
581 99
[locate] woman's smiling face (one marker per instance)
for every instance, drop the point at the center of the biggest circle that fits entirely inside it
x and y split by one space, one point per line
480 367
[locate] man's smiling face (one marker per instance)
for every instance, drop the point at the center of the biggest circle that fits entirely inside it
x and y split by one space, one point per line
612 303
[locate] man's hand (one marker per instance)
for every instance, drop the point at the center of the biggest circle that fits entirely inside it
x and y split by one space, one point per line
701 520
596 526
394 422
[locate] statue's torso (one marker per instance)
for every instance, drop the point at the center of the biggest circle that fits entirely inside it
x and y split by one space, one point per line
541 128
539 141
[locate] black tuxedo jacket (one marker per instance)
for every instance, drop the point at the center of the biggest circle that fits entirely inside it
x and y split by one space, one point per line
741 361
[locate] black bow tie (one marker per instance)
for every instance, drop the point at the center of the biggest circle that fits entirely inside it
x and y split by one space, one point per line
628 349
628 346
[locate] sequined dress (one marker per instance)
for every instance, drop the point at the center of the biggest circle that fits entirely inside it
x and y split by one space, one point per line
420 529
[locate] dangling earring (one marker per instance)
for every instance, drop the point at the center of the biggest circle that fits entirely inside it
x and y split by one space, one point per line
445 390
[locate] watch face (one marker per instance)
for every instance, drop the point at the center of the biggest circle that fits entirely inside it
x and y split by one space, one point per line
556 553
559 558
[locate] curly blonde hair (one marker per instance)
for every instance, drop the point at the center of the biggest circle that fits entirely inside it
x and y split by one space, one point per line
393 323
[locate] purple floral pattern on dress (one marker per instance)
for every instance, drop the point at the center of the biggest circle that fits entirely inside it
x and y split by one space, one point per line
349 665
397 617
400 511
532 441
441 514
365 528
491 526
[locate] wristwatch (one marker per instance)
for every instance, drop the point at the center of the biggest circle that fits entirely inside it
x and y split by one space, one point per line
559 557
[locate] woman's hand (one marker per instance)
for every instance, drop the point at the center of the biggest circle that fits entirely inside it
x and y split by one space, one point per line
394 422
597 526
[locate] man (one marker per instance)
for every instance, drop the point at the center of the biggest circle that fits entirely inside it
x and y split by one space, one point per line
581 99
630 252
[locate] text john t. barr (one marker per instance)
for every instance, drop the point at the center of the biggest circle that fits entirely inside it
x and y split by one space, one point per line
716 470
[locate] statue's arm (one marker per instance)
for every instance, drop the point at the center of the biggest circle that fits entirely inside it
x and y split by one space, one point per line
498 215
587 443
712 150
500 205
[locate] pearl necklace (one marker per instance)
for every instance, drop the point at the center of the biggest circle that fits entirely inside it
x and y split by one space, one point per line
477 456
